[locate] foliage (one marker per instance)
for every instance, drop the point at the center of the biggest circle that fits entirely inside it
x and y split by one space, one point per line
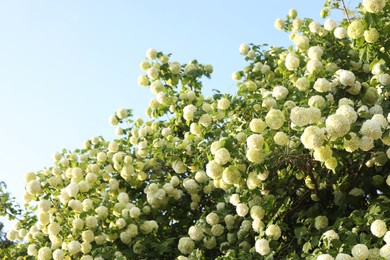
295 165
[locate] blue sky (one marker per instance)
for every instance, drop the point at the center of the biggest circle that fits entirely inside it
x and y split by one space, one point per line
66 66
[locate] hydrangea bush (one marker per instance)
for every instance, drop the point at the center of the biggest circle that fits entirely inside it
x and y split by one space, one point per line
295 165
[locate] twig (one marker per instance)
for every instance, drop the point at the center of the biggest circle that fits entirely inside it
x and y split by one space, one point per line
346 11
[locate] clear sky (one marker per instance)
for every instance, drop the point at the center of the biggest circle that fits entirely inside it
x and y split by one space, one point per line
66 66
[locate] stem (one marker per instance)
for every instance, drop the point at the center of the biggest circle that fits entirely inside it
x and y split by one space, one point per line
346 10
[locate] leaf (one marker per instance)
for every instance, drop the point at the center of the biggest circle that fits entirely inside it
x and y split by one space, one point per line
306 247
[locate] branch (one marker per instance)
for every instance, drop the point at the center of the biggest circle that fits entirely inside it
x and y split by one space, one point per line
345 10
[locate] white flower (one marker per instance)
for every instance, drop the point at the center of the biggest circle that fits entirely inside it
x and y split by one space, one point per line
214 170
244 48
378 228
317 101
242 209
188 112
321 222
360 252
196 233
385 251
274 119
186 245
330 24
340 32
322 85
313 66
371 128
279 24
175 67
374 6
151 53
32 250
301 41
348 112
273 231
121 113
315 52
325 257
257 125
330 235
44 253
337 125
314 27
212 218
347 78
384 79
355 29
292 62
322 153
223 104
302 84
262 247
386 238
371 35
341 256
33 187
222 156
143 81
281 139
58 254
279 92
312 137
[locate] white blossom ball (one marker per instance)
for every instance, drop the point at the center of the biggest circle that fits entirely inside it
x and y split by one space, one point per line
340 33
58 254
371 128
301 41
322 85
255 155
325 257
279 24
330 24
274 119
262 247
255 141
378 228
151 53
384 79
371 35
196 233
292 62
360 252
143 81
186 245
337 126
281 139
273 231
315 52
302 84
279 92
257 125
188 112
355 29
317 101
223 104
212 218
33 187
342 256
314 27
374 6
214 170
222 156
312 137
121 113
386 237
242 209
44 253
384 251
313 66
321 222
347 111
331 235
347 78
244 49
32 250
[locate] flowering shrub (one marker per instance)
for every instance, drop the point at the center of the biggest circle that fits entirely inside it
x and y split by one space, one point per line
295 165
